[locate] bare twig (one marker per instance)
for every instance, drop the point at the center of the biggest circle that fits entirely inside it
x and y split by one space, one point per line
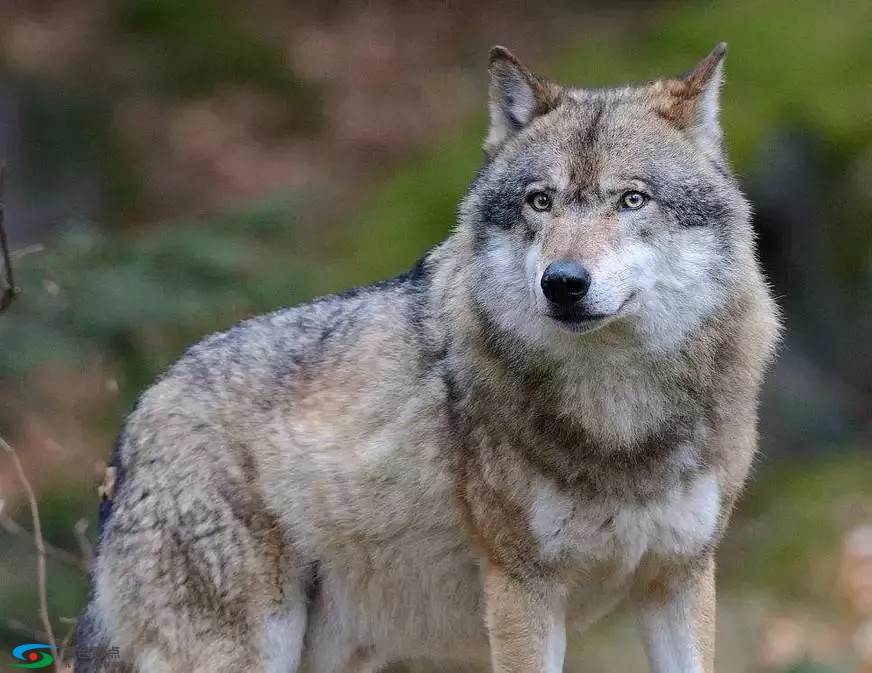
87 551
42 589
73 623
8 289
18 253
23 629
66 660
62 555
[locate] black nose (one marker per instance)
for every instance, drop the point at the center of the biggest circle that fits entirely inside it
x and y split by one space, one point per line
565 282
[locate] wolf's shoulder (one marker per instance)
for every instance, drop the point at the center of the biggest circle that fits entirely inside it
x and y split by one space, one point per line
298 340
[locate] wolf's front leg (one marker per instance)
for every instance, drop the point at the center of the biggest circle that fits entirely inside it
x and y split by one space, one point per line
525 620
675 611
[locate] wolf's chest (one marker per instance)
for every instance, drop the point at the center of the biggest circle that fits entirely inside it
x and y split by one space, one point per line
573 531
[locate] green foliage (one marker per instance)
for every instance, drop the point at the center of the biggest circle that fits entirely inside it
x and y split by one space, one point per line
200 44
789 523
67 591
811 667
144 297
414 210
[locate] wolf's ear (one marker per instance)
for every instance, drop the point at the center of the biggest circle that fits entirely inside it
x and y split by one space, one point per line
517 96
692 102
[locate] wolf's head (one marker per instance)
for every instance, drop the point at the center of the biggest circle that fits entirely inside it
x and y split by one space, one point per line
608 210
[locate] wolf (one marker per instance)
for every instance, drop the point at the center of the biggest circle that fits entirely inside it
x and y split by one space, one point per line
554 411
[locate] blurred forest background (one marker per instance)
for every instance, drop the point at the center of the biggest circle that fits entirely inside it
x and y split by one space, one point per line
173 166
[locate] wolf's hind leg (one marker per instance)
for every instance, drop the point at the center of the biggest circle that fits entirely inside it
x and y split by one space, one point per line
203 657
270 645
195 574
274 645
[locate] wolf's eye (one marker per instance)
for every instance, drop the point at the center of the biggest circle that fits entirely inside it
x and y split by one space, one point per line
633 200
540 201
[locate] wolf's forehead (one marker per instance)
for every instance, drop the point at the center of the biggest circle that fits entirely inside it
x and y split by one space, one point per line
600 133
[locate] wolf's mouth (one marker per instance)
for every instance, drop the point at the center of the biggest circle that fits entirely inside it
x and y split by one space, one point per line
581 318
581 321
